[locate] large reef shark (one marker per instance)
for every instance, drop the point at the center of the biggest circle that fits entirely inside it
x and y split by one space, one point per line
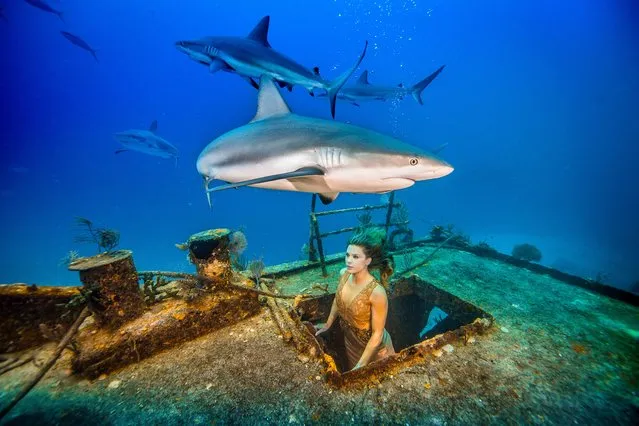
147 142
363 90
252 57
284 151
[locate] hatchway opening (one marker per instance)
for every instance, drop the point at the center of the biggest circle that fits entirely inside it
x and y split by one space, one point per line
418 311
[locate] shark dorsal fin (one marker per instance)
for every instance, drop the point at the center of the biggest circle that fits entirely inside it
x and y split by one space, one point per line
269 101
363 79
260 32
154 126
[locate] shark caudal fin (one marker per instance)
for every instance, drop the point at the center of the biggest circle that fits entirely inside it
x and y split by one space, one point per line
335 85
418 88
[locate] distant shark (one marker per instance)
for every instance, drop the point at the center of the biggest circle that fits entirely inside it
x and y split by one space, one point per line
147 142
42 5
80 43
364 91
284 151
252 56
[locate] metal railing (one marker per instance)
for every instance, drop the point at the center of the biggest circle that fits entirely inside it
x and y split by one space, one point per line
316 236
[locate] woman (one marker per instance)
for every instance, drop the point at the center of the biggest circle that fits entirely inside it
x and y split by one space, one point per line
360 300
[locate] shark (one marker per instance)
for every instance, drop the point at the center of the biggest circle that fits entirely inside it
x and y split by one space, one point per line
147 142
253 56
80 43
42 5
281 150
363 90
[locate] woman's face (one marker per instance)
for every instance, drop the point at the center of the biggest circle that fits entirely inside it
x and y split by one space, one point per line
356 260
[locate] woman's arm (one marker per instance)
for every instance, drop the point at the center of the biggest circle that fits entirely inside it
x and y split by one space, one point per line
379 311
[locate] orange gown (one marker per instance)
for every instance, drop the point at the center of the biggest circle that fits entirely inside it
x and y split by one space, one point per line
355 322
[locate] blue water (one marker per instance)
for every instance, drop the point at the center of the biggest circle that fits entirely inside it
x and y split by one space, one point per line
537 103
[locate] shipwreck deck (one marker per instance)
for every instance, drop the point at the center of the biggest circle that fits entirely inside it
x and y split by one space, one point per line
557 354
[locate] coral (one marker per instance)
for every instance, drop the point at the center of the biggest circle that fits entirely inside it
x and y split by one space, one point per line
71 256
256 267
400 216
106 239
365 219
237 242
526 252
237 245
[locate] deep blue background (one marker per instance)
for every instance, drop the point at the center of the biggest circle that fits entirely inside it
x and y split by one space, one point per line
538 104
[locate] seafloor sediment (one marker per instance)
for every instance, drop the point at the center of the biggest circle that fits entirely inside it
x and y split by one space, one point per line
558 354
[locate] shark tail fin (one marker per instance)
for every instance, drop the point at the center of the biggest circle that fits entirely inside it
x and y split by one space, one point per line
61 17
418 88
335 85
95 56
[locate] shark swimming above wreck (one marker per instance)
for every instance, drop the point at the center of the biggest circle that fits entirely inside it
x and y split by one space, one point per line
281 150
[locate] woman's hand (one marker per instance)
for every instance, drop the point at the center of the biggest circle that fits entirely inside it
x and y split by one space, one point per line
358 365
322 329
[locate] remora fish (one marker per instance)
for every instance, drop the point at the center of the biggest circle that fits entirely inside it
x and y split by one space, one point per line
44 6
146 141
363 91
252 56
80 43
284 151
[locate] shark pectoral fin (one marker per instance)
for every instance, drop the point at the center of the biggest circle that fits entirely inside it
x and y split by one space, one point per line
154 126
216 65
305 171
117 151
328 197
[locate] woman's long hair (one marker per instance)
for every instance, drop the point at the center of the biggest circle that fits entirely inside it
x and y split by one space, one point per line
373 243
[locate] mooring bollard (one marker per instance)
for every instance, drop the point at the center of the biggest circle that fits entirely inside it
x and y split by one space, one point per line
209 252
111 281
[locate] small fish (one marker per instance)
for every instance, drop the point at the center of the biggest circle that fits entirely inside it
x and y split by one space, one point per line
80 43
44 6
147 142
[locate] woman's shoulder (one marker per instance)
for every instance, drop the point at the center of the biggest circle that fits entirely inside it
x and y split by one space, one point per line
378 292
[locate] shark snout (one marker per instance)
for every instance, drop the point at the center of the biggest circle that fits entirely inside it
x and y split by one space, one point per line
443 169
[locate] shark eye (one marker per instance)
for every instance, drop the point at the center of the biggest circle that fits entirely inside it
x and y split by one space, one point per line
413 161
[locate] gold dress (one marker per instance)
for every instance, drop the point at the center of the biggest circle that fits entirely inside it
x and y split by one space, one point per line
355 322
